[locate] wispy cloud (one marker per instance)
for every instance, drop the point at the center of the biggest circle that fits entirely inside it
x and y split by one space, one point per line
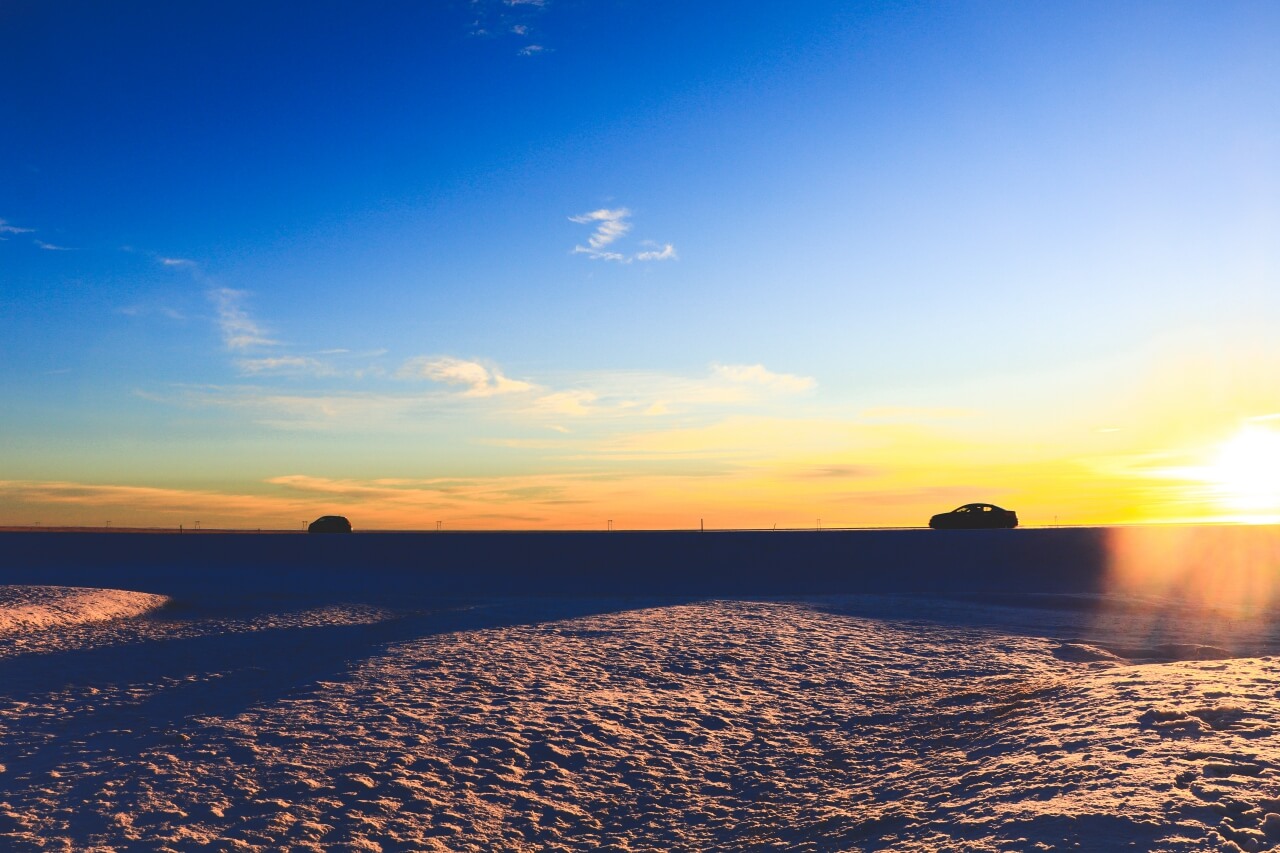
910 414
282 364
6 228
77 502
50 247
305 411
644 394
666 253
176 262
239 330
758 374
573 403
610 226
843 472
479 380
594 402
496 19
146 310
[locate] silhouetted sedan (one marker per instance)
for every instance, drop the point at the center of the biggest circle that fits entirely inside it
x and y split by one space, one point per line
974 517
330 524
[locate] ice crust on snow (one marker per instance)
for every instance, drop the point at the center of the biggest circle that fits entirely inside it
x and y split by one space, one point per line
834 723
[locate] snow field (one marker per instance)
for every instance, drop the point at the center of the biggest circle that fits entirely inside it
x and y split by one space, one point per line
576 725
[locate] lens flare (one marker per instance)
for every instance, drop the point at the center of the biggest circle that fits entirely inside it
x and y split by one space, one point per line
1215 584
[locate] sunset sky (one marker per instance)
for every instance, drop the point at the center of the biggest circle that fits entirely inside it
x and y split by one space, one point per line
551 263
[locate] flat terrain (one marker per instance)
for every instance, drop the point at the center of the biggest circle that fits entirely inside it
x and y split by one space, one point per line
581 724
173 705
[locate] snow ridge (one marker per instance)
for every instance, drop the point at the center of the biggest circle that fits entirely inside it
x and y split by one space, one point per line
25 609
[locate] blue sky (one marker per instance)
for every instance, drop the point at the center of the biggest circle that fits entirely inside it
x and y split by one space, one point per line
523 241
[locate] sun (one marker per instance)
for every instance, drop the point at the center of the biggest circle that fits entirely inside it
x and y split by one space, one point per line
1244 473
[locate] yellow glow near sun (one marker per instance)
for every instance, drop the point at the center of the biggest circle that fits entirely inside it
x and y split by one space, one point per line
1245 472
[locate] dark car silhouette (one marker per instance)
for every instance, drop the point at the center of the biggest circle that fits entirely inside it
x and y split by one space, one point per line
330 524
974 517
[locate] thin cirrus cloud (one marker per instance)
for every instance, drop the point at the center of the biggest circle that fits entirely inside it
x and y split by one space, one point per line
758 374
648 395
157 500
6 228
146 310
239 330
478 380
281 364
497 18
572 403
304 411
610 225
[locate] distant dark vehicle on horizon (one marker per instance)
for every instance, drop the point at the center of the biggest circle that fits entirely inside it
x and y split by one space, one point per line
330 524
974 517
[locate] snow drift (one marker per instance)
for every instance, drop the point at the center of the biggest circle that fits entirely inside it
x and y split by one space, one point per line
29 608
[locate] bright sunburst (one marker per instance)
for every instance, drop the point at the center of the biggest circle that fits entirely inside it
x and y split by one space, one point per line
1245 472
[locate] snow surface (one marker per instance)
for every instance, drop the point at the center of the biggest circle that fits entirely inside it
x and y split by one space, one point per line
834 723
27 608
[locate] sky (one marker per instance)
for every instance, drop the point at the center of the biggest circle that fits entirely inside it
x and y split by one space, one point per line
556 264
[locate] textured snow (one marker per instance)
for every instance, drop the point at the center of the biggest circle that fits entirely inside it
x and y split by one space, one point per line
28 608
837 723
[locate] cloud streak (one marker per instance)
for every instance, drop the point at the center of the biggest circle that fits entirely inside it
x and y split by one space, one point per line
666 253
758 374
239 330
479 381
610 225
499 18
593 402
6 228
572 403
282 364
